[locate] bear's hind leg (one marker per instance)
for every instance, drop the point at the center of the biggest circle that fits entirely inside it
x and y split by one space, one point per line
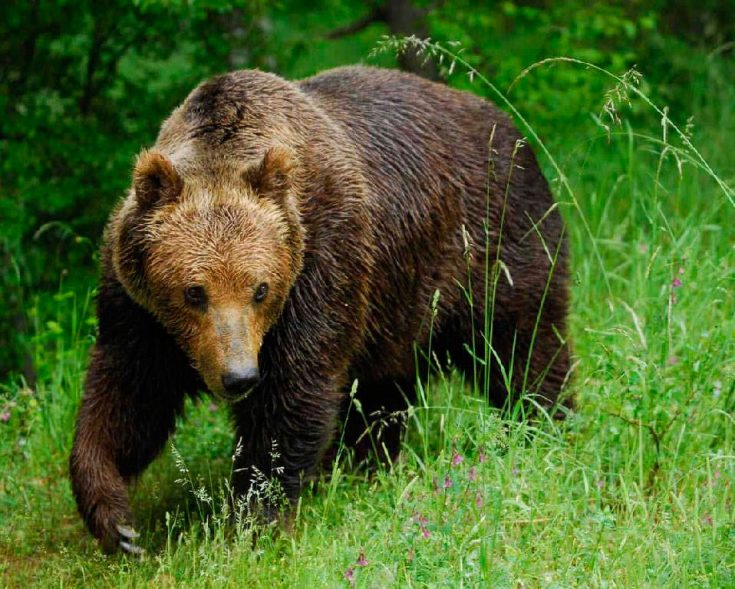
543 366
529 362
524 359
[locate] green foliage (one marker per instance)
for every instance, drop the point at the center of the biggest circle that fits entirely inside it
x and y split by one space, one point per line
84 85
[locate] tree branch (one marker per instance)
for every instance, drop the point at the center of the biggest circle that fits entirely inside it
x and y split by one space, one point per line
377 14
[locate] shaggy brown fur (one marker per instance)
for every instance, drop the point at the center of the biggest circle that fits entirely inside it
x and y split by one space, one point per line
349 199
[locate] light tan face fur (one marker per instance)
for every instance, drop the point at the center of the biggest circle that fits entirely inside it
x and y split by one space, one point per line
234 255
217 266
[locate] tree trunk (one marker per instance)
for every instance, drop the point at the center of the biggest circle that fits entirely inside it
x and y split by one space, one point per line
405 19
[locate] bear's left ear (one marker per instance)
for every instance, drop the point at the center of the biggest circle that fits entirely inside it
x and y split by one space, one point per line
155 180
273 176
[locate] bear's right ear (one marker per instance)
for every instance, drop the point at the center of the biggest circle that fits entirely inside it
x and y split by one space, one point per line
155 180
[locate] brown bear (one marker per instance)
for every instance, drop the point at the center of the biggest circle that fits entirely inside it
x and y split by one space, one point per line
284 239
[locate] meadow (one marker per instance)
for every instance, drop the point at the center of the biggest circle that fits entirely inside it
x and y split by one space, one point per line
634 489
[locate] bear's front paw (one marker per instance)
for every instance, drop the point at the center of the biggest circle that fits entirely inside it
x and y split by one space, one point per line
111 527
127 540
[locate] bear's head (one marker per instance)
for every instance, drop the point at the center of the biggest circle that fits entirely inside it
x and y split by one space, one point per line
213 257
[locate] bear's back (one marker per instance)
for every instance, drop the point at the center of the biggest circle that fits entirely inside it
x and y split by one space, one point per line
437 163
426 147
423 148
392 117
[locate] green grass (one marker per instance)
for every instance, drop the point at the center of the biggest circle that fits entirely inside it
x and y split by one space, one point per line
634 490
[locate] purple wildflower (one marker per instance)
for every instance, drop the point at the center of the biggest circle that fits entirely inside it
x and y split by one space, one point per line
457 459
350 575
361 560
472 475
676 283
447 482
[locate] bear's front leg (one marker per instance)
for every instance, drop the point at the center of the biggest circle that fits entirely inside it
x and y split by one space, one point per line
283 432
117 436
288 422
98 485
135 386
120 429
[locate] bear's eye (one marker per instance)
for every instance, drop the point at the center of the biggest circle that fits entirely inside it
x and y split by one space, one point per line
195 296
261 292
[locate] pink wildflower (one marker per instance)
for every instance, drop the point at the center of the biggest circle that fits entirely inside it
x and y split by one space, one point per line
457 459
676 283
361 560
350 575
5 416
472 475
479 502
422 521
447 482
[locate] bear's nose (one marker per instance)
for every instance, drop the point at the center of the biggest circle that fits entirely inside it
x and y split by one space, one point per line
237 382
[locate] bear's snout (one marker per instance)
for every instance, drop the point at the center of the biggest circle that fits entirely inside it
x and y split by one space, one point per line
237 382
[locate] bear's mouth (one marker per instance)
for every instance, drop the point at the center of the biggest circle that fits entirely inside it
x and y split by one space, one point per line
232 399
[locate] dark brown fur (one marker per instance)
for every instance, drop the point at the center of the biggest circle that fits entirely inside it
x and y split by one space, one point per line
380 186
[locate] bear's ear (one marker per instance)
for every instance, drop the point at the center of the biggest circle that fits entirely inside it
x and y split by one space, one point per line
273 176
155 180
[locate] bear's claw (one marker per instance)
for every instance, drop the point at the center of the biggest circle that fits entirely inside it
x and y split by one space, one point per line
127 540
127 532
132 549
